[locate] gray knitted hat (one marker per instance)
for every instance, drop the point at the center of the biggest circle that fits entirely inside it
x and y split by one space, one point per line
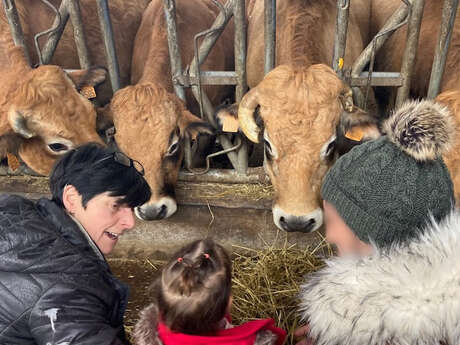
385 190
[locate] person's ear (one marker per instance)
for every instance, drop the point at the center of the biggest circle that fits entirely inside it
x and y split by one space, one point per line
71 198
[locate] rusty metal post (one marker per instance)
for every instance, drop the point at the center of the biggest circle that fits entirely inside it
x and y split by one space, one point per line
175 60
79 33
449 12
340 41
109 44
14 22
53 39
269 35
410 52
240 68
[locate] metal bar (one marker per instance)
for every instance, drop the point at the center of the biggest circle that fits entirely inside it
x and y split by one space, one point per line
410 52
240 69
14 22
208 78
45 55
269 34
175 60
205 47
214 33
79 33
109 44
449 12
340 41
173 45
378 79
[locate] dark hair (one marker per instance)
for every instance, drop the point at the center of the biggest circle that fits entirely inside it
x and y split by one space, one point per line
194 289
86 169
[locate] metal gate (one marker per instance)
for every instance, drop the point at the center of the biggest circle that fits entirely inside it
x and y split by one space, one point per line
410 13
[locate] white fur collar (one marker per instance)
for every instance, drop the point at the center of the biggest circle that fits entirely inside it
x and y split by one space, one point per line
408 295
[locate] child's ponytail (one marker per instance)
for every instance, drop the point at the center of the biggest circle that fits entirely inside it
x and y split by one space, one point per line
195 288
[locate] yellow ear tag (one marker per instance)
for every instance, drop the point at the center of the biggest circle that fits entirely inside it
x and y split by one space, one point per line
340 63
13 161
88 92
355 133
230 124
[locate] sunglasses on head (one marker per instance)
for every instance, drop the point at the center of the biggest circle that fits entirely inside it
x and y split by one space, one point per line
123 159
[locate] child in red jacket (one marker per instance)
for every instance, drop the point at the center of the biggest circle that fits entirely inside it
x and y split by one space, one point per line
192 302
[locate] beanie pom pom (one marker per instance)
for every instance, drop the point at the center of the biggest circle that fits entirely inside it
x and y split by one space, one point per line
423 129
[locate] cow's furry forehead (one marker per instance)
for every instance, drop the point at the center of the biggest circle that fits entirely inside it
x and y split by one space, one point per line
301 89
150 102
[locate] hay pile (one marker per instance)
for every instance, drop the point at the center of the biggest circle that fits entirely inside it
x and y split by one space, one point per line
265 283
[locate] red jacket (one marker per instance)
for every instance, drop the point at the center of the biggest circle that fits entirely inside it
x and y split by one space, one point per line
149 331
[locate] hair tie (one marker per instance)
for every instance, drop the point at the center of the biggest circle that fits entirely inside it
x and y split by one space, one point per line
206 255
180 259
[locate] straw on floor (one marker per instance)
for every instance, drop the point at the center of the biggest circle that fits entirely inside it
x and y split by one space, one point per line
265 283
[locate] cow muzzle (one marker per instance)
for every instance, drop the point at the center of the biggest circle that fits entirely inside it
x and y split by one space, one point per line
163 208
304 223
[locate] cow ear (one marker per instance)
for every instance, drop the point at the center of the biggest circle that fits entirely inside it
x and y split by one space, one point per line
18 123
358 125
226 118
88 77
191 126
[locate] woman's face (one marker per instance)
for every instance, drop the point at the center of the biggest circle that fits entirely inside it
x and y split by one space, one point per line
339 234
103 219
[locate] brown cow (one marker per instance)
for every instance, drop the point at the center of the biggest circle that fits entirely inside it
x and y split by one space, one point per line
42 115
150 120
305 112
300 105
452 158
125 15
304 33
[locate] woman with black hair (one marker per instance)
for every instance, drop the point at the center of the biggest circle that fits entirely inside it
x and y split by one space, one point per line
55 284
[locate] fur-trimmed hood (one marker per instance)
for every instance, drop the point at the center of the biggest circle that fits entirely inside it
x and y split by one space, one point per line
407 295
145 331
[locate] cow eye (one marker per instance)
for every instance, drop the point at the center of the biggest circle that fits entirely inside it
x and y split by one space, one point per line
58 147
173 148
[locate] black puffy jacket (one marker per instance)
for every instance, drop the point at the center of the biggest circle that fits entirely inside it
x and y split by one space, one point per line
54 288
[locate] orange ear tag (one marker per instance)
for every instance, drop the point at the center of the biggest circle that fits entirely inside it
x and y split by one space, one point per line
13 161
88 92
230 124
355 133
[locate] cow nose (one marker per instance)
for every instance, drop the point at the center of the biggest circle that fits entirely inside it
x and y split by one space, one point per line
164 208
297 224
304 223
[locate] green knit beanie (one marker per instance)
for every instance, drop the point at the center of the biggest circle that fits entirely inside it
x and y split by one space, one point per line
386 190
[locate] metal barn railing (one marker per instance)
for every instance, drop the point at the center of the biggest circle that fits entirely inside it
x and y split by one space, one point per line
410 13
68 9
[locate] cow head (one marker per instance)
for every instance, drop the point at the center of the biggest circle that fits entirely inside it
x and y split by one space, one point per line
301 115
151 125
46 109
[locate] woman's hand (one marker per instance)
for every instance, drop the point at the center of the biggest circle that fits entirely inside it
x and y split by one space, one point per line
301 334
